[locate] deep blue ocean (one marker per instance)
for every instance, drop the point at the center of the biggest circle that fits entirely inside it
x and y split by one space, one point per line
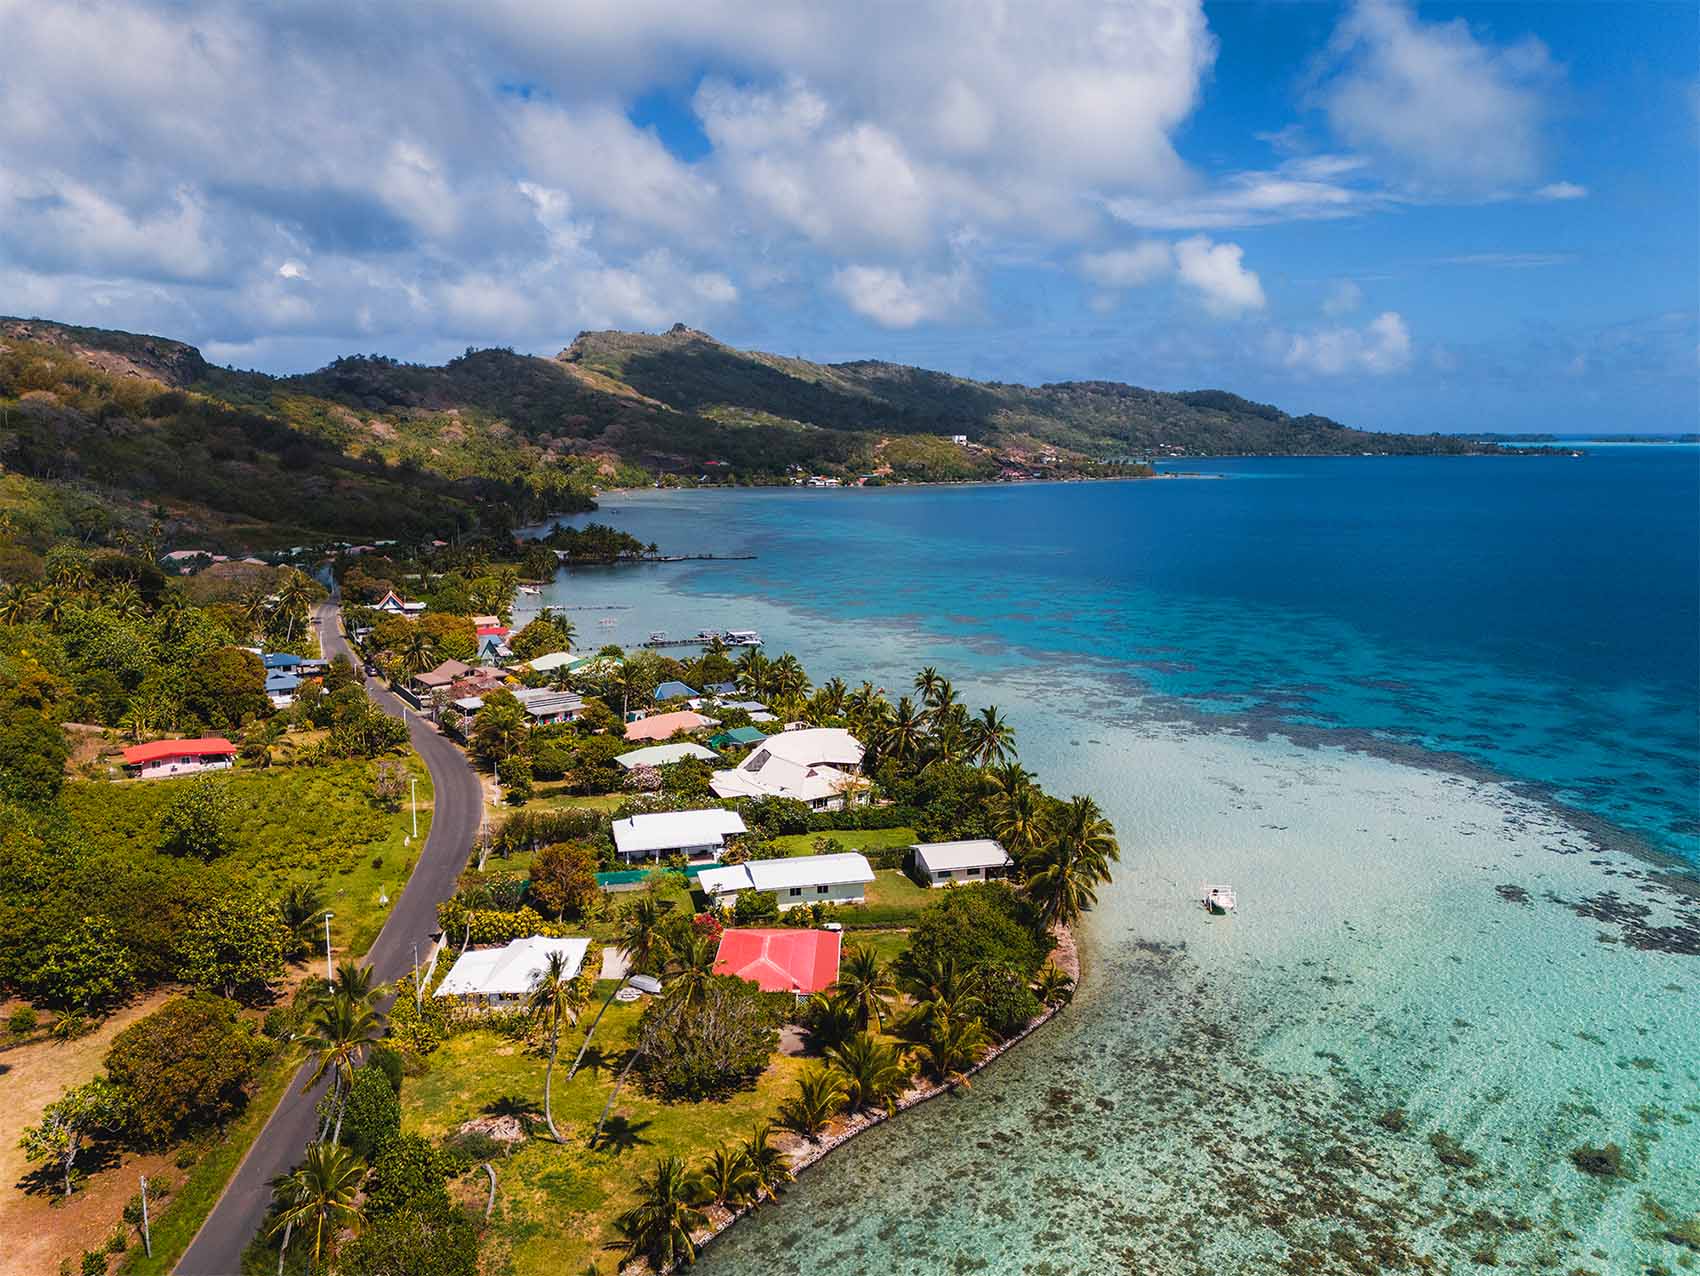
1534 617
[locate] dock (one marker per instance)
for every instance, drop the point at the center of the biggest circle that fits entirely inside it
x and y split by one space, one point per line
729 638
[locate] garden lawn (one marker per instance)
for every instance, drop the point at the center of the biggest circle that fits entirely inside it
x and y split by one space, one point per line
556 1203
317 824
893 900
849 839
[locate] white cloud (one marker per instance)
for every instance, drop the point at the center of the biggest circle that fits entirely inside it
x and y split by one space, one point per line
1562 190
1129 267
895 300
1447 109
1343 298
1381 347
1217 273
1317 188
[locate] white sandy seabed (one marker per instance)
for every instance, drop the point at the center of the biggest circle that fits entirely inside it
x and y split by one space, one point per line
1220 1097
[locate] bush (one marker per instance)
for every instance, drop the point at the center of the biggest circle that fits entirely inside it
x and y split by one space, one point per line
698 1052
182 1067
22 1021
388 1062
408 1174
197 823
410 1243
563 878
980 928
1009 1004
755 908
373 1115
493 925
417 1029
86 969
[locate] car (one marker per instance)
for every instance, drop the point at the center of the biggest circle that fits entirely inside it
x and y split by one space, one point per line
371 670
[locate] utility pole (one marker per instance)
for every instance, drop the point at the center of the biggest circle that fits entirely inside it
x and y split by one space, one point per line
418 995
413 783
330 975
147 1238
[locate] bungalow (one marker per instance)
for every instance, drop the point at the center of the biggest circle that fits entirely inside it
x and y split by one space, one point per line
282 660
697 835
947 863
281 686
493 649
818 766
553 661
665 755
720 689
664 726
737 735
487 622
501 978
793 881
395 605
545 706
792 960
673 691
160 758
443 675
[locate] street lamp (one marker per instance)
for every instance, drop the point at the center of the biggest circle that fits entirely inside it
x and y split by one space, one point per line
330 975
413 785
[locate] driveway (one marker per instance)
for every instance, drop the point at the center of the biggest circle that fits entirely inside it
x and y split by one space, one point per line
459 810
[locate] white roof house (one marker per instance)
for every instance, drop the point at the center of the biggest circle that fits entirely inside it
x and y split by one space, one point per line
794 880
816 766
972 861
665 755
694 834
503 976
554 660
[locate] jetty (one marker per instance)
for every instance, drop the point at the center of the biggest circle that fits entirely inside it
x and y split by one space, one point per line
727 637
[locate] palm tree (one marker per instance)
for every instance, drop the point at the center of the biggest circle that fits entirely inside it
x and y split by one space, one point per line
125 601
753 670
659 1226
418 653
769 1170
690 965
990 738
874 1073
788 677
939 987
337 1036
301 907
1064 886
820 1096
832 696
927 683
951 1046
942 699
1052 986
948 743
725 1178
634 681
904 736
554 997
501 728
354 981
17 604
1007 777
320 1194
830 1020
641 932
294 593
865 984
1019 820
1083 823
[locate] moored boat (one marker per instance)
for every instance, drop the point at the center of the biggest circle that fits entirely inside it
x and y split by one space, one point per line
1219 899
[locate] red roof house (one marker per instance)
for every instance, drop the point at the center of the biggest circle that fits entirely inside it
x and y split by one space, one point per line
179 757
789 960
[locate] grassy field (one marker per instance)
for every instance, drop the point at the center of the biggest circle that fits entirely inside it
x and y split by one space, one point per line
554 801
849 839
315 824
555 1202
893 900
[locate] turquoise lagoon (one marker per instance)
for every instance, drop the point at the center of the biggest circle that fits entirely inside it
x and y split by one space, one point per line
1435 718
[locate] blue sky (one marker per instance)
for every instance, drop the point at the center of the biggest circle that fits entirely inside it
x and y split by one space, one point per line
1405 216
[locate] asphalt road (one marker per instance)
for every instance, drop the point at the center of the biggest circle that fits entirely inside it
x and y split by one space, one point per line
217 1247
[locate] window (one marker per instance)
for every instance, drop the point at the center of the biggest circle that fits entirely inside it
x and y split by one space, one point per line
820 890
796 891
944 874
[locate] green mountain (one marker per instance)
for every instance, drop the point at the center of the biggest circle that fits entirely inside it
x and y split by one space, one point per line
131 428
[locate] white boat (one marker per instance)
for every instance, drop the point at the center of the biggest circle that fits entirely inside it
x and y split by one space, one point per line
530 590
1219 899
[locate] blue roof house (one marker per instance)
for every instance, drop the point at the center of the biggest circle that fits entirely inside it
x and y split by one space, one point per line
674 691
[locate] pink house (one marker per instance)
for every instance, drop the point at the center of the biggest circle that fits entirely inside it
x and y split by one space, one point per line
664 726
160 758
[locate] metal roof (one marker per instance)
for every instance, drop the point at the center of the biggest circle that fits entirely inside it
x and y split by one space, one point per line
512 971
788 873
980 852
665 755
675 830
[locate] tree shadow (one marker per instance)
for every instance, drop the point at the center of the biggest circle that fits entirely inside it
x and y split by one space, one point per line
49 1180
621 1134
595 1060
528 1112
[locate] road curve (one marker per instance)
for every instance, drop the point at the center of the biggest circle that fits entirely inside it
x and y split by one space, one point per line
459 808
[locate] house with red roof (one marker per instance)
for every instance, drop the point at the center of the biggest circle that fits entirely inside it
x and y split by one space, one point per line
161 758
781 960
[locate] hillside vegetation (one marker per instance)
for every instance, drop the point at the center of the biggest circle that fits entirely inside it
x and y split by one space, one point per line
123 426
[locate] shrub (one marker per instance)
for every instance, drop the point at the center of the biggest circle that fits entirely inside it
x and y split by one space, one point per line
408 1174
182 1067
1008 1003
981 927
696 1052
87 969
197 823
410 1242
754 908
563 878
22 1021
388 1062
417 1029
373 1115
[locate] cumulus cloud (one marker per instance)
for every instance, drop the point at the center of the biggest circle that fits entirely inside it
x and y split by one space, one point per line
1133 267
1448 109
1343 298
1562 190
1217 273
1381 347
894 299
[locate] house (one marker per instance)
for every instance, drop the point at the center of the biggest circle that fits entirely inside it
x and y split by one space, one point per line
282 660
545 706
281 686
719 689
737 735
793 960
945 863
673 691
664 726
443 675
665 755
793 881
696 835
395 605
501 978
493 649
553 661
487 622
818 765
160 758
960 440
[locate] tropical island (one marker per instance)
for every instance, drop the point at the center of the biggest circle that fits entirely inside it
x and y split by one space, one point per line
719 917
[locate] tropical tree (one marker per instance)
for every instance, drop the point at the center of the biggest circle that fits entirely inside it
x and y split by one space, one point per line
501 728
874 1072
93 1107
829 1018
865 984
927 683
819 1097
659 1226
941 700
640 930
990 739
939 987
1019 819
336 1037
725 1178
1052 986
294 594
1082 822
689 966
554 997
769 1170
320 1194
754 671
633 681
417 653
788 679
952 1044
831 698
904 736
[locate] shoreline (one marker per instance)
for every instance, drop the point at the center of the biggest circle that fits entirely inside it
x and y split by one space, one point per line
803 1154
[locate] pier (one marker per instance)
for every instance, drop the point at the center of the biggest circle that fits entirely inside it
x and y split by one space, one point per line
728 638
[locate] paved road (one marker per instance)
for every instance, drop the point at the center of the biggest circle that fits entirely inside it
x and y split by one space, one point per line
217 1247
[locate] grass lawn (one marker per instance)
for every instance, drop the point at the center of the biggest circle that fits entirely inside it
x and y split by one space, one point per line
893 900
888 945
316 824
546 801
849 839
555 1203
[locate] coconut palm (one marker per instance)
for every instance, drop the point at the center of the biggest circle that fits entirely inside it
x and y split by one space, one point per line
865 985
501 728
320 1194
819 1097
1052 986
336 1036
1019 820
831 697
659 1226
725 1178
939 987
633 681
554 997
769 1170
1084 823
947 744
927 683
641 931
942 699
294 593
830 1020
301 908
1006 777
753 670
990 738
952 1044
417 654
873 1072
125 601
905 735
17 604
1064 886
787 678
689 967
